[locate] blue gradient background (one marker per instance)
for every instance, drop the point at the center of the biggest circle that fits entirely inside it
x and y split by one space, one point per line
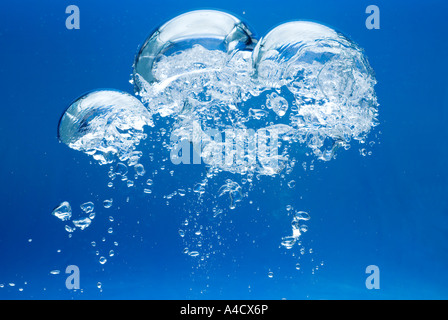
389 209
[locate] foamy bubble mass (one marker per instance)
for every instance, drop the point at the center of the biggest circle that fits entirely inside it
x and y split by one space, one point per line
304 83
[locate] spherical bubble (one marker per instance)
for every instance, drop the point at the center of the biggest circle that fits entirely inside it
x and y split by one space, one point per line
330 78
193 61
214 30
277 53
104 124
299 50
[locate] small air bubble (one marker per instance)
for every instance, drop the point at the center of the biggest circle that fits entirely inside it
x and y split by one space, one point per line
108 203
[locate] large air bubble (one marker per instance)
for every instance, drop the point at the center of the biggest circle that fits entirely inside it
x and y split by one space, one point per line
329 77
194 57
106 124
213 30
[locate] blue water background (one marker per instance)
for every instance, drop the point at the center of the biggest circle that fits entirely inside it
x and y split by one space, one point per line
389 209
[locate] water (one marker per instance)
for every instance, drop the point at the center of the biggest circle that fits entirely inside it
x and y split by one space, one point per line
249 156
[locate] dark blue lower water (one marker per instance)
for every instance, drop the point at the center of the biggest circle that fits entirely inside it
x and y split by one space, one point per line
388 208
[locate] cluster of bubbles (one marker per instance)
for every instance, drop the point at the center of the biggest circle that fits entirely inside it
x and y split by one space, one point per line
305 83
83 220
64 213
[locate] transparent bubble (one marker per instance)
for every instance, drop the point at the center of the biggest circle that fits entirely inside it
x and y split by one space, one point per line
213 30
121 169
87 207
288 242
104 124
329 77
279 53
108 203
198 56
234 191
63 211
139 169
193 253
82 223
301 215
